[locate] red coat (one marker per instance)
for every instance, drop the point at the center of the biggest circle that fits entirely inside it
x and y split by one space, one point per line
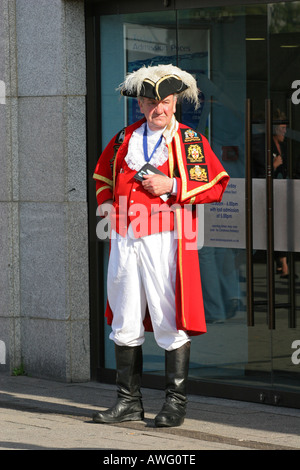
200 179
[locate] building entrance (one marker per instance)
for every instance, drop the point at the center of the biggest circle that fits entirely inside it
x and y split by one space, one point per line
246 62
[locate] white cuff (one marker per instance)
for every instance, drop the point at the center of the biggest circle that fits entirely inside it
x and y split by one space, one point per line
174 189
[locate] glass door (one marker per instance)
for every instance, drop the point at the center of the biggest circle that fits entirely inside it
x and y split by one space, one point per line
250 256
224 356
275 279
246 61
249 260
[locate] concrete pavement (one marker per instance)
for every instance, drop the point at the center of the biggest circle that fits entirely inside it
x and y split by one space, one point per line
38 414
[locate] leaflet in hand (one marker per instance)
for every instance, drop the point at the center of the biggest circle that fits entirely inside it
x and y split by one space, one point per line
149 169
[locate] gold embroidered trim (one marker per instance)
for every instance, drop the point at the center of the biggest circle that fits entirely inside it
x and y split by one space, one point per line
179 235
114 175
193 192
101 189
103 178
171 161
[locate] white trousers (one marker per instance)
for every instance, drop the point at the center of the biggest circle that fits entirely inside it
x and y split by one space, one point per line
141 272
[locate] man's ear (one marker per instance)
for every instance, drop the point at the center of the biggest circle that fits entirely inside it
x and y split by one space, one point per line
174 103
140 103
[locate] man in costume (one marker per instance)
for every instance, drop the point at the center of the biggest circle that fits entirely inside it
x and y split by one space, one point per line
153 266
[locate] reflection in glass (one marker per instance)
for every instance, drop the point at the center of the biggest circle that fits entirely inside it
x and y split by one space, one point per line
235 53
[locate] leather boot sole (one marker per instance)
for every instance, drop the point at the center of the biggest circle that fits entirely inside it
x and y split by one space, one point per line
123 410
101 418
170 416
168 421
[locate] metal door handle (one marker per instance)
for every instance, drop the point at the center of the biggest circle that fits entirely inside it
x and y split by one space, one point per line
249 223
270 216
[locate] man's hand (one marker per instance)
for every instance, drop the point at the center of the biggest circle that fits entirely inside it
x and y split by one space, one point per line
277 161
157 185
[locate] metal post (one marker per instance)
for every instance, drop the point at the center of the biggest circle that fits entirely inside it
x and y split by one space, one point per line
270 216
249 215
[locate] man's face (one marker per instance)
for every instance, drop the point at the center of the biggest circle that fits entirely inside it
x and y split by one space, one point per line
158 113
280 132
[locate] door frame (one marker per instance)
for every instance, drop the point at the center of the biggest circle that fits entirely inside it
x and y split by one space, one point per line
98 371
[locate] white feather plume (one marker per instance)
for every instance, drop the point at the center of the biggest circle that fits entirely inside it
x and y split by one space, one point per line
133 81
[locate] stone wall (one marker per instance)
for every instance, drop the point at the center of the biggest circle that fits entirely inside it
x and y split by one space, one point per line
44 290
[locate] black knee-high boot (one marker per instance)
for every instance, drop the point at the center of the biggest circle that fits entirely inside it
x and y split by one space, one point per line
177 366
129 365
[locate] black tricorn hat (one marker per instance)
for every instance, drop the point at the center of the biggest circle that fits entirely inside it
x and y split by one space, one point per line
160 81
165 86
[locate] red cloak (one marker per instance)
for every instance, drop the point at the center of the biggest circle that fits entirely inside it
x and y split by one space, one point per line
200 179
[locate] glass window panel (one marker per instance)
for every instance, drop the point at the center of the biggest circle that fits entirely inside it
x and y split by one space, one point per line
235 53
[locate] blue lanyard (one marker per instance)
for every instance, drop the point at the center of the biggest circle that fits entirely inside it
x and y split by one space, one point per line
145 145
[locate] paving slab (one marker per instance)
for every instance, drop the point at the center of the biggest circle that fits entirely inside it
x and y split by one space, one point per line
39 414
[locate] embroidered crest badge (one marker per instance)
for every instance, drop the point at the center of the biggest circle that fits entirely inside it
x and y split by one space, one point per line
189 135
120 137
195 153
111 161
198 173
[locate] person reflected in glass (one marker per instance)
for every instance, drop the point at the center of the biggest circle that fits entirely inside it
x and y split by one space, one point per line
280 172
